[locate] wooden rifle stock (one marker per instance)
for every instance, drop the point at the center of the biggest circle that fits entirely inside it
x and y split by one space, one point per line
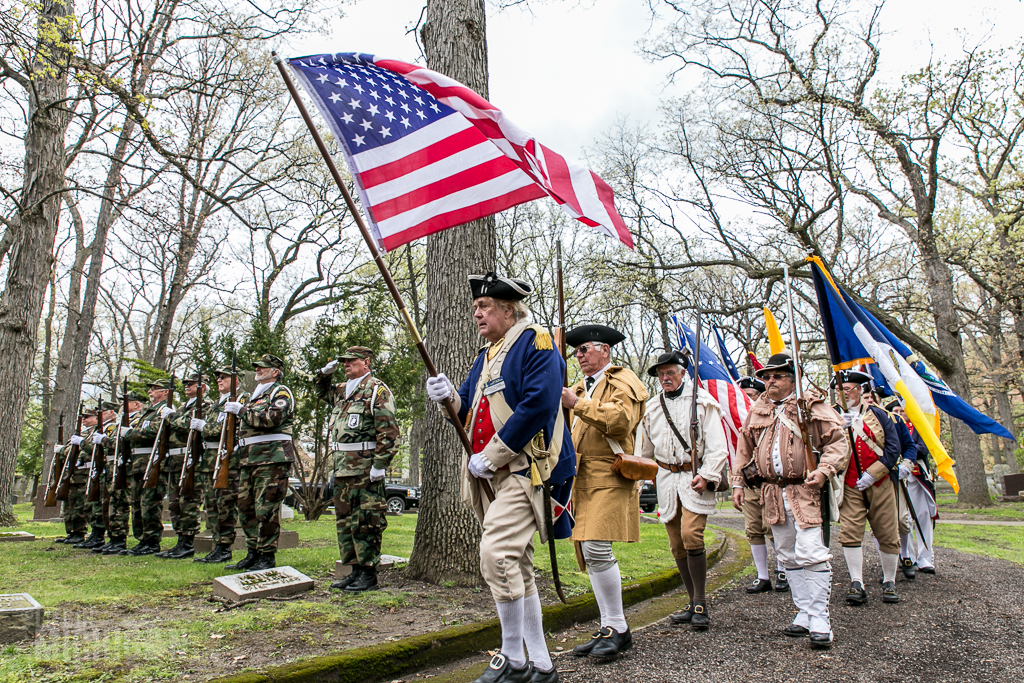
64 489
694 422
121 449
160 446
51 482
194 447
92 487
227 435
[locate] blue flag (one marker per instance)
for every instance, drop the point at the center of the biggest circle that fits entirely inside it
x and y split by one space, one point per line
724 354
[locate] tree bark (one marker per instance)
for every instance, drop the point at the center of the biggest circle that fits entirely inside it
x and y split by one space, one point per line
447 533
41 511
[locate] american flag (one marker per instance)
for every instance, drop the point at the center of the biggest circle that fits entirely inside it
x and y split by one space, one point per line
427 153
734 403
724 353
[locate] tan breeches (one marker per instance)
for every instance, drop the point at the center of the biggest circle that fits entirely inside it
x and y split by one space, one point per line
506 548
685 532
881 515
753 517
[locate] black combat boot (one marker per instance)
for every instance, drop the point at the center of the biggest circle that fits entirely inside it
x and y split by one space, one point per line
74 538
220 553
116 545
341 585
263 561
366 581
246 562
176 548
95 540
185 548
146 547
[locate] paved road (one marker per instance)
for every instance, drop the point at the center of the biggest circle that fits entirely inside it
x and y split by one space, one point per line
965 623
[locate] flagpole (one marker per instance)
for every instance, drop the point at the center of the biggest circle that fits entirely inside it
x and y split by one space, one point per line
374 252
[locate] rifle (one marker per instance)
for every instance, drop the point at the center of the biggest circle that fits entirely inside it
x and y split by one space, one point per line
694 423
160 445
545 485
811 456
51 483
227 434
193 447
64 488
92 487
121 450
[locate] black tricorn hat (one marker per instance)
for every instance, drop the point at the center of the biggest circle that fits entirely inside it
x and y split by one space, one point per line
751 383
669 358
506 288
779 361
895 403
596 333
852 376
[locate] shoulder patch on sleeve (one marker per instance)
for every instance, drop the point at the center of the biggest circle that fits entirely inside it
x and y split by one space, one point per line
283 392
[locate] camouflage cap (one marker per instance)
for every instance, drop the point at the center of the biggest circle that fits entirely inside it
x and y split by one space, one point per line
227 371
89 412
110 405
193 378
354 352
269 360
136 396
160 384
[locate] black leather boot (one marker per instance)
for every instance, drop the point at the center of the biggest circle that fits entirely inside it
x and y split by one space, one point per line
185 548
144 548
341 585
74 538
366 581
176 548
94 540
244 563
263 561
116 545
220 553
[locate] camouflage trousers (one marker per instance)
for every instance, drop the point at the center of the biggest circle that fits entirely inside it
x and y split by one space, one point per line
96 511
359 506
74 509
147 508
221 506
261 490
184 509
119 508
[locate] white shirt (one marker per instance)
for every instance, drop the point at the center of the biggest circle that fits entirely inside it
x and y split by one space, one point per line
353 384
776 454
260 389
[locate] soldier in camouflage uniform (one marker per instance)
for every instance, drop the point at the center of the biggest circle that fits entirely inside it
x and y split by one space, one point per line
76 512
97 510
147 504
184 509
221 504
120 499
363 440
265 440
60 454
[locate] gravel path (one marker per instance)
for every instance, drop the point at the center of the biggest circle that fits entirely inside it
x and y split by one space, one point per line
966 623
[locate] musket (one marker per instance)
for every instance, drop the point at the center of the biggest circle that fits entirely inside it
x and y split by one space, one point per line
64 488
193 446
227 434
51 483
92 487
160 446
694 422
121 450
811 457
849 435
913 512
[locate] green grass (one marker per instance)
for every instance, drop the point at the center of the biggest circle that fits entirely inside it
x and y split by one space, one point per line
1008 512
1002 542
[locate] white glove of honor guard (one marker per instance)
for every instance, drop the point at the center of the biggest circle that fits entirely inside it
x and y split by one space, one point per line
439 388
166 412
329 368
375 474
906 469
77 440
865 482
197 424
233 407
97 438
478 467
121 431
847 419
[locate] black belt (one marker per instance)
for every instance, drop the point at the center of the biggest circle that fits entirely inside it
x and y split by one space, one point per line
783 482
676 468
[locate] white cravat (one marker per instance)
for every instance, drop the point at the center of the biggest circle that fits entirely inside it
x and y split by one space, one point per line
353 384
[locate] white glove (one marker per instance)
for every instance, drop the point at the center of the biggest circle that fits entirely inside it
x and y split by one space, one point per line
77 440
439 388
121 431
233 407
865 482
197 424
97 438
848 419
166 412
478 467
329 368
906 469
375 474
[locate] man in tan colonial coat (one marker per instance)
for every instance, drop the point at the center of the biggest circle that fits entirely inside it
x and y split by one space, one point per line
605 410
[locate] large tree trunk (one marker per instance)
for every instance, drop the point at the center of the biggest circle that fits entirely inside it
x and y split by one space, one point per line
447 534
41 511
31 255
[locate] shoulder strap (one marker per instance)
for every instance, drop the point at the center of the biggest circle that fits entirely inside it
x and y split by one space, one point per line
672 425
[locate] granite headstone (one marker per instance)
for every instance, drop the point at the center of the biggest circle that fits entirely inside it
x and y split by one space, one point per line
280 581
21 617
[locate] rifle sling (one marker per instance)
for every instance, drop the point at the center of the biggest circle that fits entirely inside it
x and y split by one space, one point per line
672 426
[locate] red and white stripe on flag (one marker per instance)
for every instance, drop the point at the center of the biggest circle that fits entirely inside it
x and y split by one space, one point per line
427 153
735 406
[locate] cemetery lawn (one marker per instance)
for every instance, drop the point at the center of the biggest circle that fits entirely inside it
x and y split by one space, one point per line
1003 512
144 619
1002 542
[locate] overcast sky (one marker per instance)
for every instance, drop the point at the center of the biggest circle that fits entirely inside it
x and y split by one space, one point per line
565 70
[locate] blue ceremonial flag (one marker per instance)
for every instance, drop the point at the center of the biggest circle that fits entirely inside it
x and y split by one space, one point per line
724 353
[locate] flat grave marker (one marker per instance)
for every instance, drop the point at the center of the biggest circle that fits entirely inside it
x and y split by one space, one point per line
280 581
21 617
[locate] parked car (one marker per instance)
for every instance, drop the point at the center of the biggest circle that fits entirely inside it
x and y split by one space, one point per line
648 496
399 497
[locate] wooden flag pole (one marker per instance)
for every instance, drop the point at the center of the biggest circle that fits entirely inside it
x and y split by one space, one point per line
374 252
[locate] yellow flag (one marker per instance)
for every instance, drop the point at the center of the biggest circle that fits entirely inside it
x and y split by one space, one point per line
774 336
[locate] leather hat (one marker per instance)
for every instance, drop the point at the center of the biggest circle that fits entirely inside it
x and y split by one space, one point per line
779 361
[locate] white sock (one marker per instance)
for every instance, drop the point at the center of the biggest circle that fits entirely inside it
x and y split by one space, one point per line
855 563
889 562
904 545
760 553
510 614
533 633
607 587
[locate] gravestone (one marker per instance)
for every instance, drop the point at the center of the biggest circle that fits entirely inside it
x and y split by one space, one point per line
341 570
286 539
1013 484
21 617
280 581
16 536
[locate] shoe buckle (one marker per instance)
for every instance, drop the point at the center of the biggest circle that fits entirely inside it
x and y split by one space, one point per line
497 661
609 630
698 609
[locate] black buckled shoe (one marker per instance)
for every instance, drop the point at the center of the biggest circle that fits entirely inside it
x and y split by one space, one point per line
116 545
143 548
264 561
781 583
220 553
544 676
701 621
185 549
72 539
909 568
856 595
821 641
889 592
245 562
583 649
759 586
366 581
795 631
611 644
926 570
352 575
499 670
684 617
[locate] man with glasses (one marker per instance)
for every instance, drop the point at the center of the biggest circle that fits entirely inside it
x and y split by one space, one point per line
771 440
606 409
